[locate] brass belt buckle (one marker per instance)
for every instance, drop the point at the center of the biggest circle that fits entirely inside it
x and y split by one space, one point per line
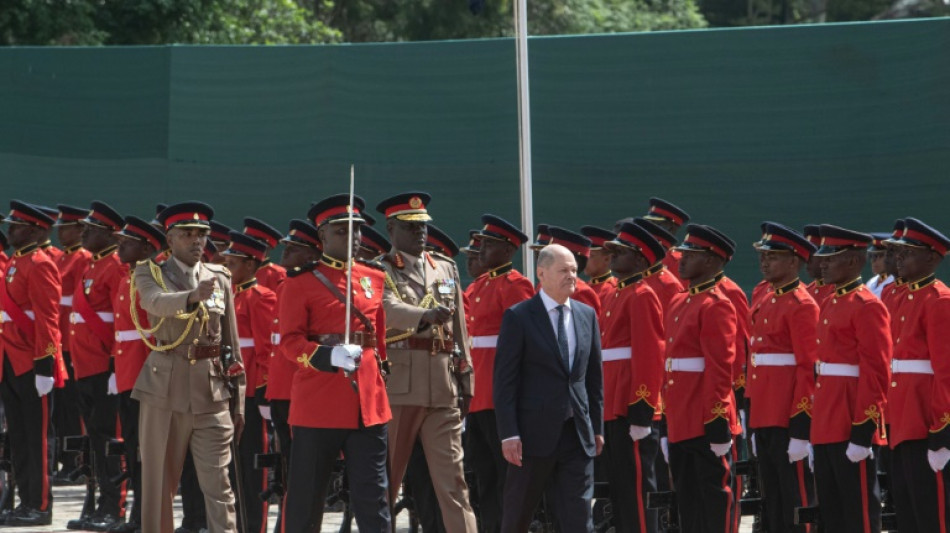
669 364
753 359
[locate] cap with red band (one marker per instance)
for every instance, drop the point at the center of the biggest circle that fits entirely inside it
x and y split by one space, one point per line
186 215
136 228
24 213
474 242
542 238
409 206
374 241
303 233
336 208
661 235
835 240
500 229
262 231
103 216
219 232
575 242
244 245
779 238
897 232
916 233
439 241
68 215
700 238
662 210
636 237
597 236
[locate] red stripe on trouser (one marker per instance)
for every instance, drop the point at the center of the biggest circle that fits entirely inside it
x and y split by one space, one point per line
44 429
737 496
124 486
802 491
941 503
265 505
728 489
865 518
641 512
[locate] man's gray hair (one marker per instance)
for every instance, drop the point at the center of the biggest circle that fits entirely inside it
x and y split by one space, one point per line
549 253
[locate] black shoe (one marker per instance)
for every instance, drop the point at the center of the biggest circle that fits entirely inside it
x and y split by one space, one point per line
78 524
31 517
127 527
102 522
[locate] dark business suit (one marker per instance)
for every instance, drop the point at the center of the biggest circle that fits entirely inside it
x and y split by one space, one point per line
534 394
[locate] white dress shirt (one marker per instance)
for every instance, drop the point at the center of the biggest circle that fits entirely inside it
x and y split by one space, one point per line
876 284
551 307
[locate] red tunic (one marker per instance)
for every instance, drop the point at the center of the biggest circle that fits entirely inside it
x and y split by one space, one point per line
672 263
4 258
129 351
604 286
584 293
632 348
761 290
53 252
919 403
701 323
892 297
663 283
852 329
491 294
71 265
32 282
255 308
327 399
741 305
271 275
783 321
100 285
821 292
281 370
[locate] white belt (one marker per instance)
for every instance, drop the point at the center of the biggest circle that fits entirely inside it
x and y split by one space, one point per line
616 354
4 317
773 359
246 342
76 318
911 366
275 338
837 369
127 335
485 341
686 364
66 301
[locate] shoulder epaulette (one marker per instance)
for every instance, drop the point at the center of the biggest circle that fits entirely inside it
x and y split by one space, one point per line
372 263
296 271
221 269
801 294
443 257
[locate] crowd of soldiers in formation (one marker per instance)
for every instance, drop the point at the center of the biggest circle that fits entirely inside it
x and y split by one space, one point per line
817 386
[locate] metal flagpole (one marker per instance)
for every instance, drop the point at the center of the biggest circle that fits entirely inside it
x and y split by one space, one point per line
524 128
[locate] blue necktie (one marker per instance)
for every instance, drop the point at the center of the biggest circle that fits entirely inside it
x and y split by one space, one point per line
562 338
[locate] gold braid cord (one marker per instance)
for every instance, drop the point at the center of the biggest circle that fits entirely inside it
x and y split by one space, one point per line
426 303
145 332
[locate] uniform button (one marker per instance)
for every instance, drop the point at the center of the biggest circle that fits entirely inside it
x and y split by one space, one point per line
902 318
670 382
72 332
275 321
893 384
898 341
818 341
676 319
818 385
617 295
671 339
608 313
121 297
753 376
154 369
773 300
910 296
826 321
834 300
760 339
688 299
193 361
119 352
765 321
478 298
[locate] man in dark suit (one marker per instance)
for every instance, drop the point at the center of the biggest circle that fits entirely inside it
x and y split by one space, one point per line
549 399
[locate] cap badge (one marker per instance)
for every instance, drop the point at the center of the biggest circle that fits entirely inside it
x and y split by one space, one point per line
415 202
196 216
367 285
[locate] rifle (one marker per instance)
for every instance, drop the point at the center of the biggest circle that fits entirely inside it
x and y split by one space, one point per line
275 485
116 448
80 444
752 502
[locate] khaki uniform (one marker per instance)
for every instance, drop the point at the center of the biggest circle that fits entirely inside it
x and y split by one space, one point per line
426 379
184 402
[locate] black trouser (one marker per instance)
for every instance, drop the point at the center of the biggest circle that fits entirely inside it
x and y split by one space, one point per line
630 471
920 495
705 487
849 498
423 493
253 442
280 414
129 419
314 455
489 465
28 422
99 413
785 485
194 515
67 418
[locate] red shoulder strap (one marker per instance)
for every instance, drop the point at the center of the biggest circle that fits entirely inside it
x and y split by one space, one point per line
13 310
102 330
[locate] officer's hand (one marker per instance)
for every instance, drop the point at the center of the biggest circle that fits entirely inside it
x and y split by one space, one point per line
265 411
346 357
511 449
755 452
857 453
464 403
938 458
797 450
639 432
113 387
203 291
438 315
720 448
665 448
238 421
598 444
44 384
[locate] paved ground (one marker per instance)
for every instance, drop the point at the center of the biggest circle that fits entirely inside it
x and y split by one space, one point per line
68 504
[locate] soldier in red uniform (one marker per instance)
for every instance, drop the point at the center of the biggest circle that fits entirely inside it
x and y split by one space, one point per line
270 275
854 354
218 241
255 310
598 271
664 283
895 292
339 400
91 339
46 244
579 245
781 375
138 241
632 350
818 289
670 218
372 243
918 401
500 287
29 300
71 263
473 263
541 239
699 398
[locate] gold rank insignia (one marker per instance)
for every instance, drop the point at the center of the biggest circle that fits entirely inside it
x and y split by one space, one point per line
87 286
367 285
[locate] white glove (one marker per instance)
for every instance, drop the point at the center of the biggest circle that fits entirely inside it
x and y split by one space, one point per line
797 450
857 453
720 449
44 384
665 448
265 411
639 432
811 458
752 445
742 423
113 387
938 459
346 357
